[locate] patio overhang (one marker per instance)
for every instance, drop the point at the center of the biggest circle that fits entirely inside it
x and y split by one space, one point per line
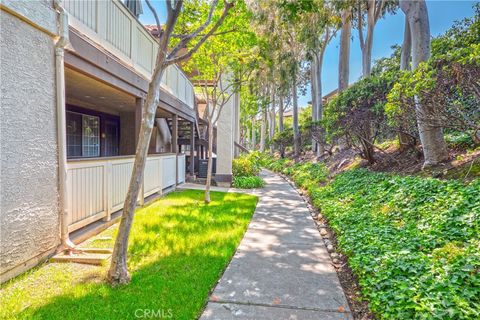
91 60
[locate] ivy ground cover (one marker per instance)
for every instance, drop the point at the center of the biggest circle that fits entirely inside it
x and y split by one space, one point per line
414 243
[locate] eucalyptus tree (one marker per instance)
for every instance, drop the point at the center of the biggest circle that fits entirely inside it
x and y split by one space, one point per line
430 132
344 51
167 55
373 10
221 66
319 24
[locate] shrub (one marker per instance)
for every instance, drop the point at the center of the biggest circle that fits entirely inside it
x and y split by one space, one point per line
459 140
248 164
249 182
243 167
304 175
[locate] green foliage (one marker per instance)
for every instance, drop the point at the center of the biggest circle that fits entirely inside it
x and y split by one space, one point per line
248 182
445 84
244 167
460 140
413 243
305 175
284 138
357 113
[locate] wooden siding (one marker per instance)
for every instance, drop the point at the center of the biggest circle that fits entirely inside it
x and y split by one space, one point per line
111 25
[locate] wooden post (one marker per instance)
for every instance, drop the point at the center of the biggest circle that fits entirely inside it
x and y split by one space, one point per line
192 149
138 117
138 122
175 134
175 144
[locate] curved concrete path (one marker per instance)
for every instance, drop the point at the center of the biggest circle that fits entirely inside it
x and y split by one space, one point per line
281 269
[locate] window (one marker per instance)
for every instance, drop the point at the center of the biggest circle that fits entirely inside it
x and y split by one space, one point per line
74 134
91 136
83 135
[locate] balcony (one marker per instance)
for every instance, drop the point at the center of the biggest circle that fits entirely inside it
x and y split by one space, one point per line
109 24
97 187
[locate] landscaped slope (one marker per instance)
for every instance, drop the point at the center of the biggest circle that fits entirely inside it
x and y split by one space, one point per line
414 243
178 249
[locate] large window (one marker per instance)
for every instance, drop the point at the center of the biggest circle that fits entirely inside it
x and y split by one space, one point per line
83 135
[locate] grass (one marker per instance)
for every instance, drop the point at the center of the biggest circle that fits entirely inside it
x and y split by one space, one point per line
178 249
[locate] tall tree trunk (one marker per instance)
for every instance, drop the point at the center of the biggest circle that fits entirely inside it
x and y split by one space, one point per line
262 130
254 134
272 121
344 55
313 86
406 47
118 272
405 141
319 98
367 49
296 132
280 115
210 160
374 11
431 133
280 125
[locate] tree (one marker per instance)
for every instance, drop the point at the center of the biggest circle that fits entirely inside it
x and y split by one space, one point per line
344 53
320 25
374 10
220 68
431 135
276 25
118 272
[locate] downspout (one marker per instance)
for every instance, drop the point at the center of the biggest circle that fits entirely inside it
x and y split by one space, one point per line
62 42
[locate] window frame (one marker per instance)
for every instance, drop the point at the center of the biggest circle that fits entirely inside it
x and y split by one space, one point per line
102 118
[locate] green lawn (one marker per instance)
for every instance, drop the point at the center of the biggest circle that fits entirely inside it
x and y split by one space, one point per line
179 248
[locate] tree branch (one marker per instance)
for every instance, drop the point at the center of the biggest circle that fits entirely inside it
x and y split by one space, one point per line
188 37
173 59
379 9
212 35
360 28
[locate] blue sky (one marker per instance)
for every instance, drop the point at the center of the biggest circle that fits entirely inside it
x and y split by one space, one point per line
388 32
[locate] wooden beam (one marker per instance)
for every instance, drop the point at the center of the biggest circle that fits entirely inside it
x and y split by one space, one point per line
138 118
192 149
175 134
90 60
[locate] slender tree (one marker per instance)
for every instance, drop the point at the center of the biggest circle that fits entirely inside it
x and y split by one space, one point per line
430 132
374 10
344 52
118 272
221 66
406 47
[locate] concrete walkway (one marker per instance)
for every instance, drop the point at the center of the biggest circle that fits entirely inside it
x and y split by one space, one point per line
281 270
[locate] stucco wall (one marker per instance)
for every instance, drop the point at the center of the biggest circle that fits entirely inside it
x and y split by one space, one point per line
29 217
225 138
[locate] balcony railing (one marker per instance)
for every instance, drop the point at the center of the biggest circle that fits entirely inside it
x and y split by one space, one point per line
97 187
111 25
